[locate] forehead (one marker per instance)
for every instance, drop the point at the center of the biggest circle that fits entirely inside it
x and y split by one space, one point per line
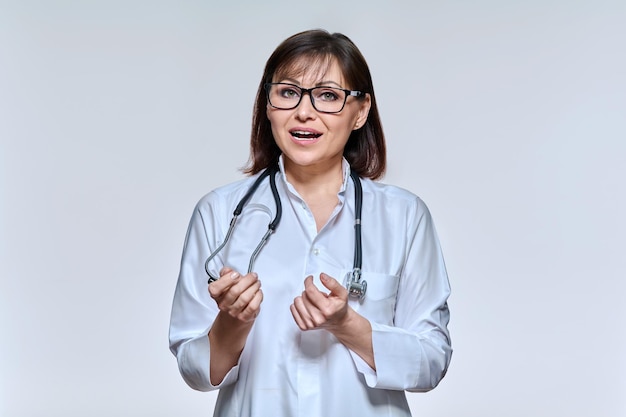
310 70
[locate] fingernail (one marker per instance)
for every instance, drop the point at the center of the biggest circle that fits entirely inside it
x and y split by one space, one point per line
234 275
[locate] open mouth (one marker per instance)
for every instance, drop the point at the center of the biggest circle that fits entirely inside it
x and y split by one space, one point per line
305 134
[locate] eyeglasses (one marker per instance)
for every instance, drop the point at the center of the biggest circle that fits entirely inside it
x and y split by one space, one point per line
284 96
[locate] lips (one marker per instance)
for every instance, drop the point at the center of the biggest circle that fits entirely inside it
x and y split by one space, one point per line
304 134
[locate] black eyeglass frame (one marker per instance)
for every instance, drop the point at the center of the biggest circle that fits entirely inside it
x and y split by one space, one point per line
303 91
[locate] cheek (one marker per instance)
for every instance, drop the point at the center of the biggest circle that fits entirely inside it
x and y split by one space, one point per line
273 123
346 125
276 118
275 127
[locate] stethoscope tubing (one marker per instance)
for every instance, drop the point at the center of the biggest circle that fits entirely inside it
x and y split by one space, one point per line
356 287
271 228
358 205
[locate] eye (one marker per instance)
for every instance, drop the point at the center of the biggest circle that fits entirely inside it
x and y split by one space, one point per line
327 94
288 92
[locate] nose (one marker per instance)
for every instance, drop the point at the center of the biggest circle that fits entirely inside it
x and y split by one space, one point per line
305 109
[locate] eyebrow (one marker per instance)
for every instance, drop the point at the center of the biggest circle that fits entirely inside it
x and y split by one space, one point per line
319 84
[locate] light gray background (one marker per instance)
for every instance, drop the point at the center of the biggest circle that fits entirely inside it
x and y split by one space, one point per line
506 117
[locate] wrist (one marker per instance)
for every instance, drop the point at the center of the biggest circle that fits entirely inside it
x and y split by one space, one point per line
231 324
346 324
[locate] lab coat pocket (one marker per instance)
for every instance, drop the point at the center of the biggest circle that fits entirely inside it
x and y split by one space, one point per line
379 302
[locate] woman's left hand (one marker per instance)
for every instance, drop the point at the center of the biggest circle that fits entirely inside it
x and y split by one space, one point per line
315 309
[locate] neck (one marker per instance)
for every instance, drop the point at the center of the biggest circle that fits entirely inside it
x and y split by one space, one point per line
315 181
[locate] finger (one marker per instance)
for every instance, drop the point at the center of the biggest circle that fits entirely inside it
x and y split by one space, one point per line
226 270
297 318
239 286
308 282
316 297
305 315
312 317
245 298
255 304
333 285
244 282
226 281
233 286
316 309
252 309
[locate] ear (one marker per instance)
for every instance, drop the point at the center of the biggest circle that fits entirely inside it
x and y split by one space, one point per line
363 112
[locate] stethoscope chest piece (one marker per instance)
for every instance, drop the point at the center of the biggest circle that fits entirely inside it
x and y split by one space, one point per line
355 285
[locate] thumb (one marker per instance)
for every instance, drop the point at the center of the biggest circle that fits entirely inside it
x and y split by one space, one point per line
332 284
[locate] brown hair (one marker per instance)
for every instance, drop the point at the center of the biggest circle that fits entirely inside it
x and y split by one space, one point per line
365 149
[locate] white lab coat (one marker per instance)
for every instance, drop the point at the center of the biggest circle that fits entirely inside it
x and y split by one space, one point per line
284 371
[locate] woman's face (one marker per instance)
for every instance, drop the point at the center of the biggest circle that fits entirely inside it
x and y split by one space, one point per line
310 139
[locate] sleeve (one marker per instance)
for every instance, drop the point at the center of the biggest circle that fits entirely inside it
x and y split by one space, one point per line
415 352
193 309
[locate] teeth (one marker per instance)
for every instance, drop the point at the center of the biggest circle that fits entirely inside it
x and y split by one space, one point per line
304 135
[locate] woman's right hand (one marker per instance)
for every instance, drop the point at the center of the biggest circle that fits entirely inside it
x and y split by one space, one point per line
238 296
239 300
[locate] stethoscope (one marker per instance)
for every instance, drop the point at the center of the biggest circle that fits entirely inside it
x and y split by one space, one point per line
355 285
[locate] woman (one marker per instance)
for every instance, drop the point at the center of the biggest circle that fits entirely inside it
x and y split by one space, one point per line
301 344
